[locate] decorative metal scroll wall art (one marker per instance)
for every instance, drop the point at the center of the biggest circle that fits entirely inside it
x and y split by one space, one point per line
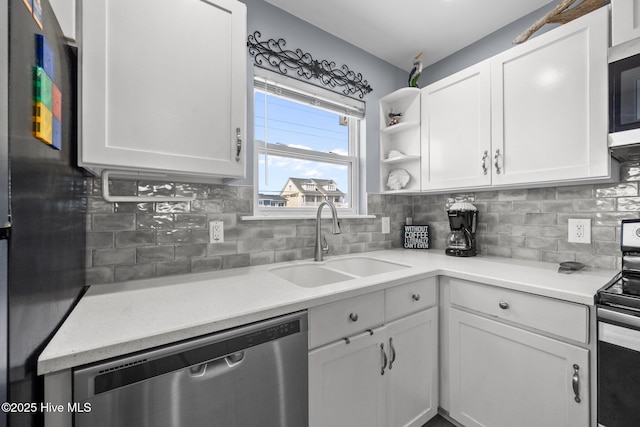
274 53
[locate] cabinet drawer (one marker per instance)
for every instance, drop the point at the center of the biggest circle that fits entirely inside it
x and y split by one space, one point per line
410 298
345 318
553 316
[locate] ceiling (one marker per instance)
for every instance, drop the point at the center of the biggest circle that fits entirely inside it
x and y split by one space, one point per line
398 31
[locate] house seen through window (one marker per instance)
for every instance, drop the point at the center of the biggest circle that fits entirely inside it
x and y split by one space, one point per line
305 146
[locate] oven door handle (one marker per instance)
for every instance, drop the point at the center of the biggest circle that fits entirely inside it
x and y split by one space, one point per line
618 334
619 317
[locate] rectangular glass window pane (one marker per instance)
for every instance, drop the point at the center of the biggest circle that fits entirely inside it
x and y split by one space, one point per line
300 126
292 182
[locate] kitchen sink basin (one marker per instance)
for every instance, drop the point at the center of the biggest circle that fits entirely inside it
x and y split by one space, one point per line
362 266
310 275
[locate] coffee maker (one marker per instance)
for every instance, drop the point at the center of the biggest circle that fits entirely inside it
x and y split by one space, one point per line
463 219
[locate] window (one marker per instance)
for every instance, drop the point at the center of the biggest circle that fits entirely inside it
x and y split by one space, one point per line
306 145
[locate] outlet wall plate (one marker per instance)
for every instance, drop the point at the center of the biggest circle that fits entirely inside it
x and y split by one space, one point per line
216 232
579 231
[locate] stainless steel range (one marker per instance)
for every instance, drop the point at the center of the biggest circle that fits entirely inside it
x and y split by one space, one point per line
618 313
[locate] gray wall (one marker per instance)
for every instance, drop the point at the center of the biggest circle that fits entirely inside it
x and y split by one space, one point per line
486 47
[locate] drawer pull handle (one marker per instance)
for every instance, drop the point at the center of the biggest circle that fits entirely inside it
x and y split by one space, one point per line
575 381
353 317
384 358
347 340
415 297
393 353
503 305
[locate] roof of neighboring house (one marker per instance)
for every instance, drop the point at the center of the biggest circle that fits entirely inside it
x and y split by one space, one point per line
275 197
320 186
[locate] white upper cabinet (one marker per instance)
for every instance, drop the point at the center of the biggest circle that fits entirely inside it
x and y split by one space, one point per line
456 130
534 114
549 105
625 20
163 87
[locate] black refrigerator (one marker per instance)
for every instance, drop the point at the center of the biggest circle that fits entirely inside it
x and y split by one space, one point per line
42 204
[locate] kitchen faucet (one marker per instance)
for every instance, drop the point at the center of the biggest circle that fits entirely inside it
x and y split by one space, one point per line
322 247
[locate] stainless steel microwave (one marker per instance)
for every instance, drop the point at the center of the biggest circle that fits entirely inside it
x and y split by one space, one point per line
624 102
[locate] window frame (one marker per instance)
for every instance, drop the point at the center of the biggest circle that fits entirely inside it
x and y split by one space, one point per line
351 161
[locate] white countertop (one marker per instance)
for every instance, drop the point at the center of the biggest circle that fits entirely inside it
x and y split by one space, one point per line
114 320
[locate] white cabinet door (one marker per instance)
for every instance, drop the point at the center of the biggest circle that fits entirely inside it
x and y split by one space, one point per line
412 395
346 385
625 20
549 105
163 86
502 376
456 130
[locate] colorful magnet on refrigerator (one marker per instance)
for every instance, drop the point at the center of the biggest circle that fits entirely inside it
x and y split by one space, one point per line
57 134
42 87
45 56
56 102
42 123
37 12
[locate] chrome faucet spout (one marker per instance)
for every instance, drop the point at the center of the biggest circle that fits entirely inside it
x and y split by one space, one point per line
320 250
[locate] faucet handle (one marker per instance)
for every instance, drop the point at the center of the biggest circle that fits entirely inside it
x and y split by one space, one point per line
325 246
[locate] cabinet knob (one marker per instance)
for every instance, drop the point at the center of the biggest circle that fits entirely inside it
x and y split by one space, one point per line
353 317
415 297
503 305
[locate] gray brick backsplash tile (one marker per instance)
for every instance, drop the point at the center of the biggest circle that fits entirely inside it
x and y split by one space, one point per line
112 222
512 195
174 236
541 194
197 250
147 254
134 238
630 171
575 192
148 222
557 206
129 240
535 218
173 267
593 205
103 257
629 204
173 207
624 189
99 240
206 264
123 273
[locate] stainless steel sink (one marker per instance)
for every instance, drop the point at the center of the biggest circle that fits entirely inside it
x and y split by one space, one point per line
310 275
363 266
334 270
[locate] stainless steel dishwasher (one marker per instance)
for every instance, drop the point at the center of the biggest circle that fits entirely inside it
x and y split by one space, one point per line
254 375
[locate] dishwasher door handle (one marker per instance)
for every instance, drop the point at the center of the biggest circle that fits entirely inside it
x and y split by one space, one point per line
216 367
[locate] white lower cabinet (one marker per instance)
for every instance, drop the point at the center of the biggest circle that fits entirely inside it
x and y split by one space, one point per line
385 376
504 376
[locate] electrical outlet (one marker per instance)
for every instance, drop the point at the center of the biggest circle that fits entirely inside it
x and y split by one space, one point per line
216 232
579 231
386 225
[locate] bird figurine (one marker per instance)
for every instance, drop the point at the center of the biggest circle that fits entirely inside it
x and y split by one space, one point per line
394 118
414 74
